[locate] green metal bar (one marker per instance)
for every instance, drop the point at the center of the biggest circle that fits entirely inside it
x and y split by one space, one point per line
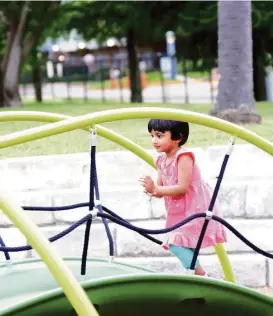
101 130
135 113
225 263
104 132
126 143
63 275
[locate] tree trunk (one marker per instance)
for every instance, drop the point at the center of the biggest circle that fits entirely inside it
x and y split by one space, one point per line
235 99
259 70
12 61
134 74
36 73
9 85
37 82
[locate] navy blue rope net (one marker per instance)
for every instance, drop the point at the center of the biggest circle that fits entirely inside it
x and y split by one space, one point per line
107 215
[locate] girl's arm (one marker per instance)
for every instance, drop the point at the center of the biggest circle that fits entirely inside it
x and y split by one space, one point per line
149 185
185 167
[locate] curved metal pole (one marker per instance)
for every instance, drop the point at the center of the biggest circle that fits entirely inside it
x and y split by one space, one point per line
134 113
63 275
91 119
35 116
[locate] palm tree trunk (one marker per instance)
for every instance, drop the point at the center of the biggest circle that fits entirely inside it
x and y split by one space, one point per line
235 100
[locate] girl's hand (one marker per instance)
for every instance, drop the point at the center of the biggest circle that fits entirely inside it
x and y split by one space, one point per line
148 184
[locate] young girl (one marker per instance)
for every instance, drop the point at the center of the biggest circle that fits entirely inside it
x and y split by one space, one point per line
185 193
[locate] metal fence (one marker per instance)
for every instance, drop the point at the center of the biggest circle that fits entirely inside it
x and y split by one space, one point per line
108 80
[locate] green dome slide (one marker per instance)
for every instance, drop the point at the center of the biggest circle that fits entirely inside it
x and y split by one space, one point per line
134 293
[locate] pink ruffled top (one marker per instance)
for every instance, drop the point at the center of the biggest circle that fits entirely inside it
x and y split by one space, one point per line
196 200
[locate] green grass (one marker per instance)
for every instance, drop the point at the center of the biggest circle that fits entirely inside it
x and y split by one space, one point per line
198 74
78 141
152 79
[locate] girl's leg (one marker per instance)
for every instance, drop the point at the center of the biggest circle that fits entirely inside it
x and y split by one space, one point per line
200 271
185 255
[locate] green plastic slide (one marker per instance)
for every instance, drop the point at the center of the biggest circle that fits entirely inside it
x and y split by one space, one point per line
30 278
148 294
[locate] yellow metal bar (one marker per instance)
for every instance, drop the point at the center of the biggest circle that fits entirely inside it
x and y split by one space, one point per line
126 143
225 263
135 113
55 264
11 116
131 113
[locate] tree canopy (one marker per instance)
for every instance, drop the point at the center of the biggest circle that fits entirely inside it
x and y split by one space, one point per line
26 25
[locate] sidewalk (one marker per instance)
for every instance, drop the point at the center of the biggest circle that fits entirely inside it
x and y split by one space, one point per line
197 92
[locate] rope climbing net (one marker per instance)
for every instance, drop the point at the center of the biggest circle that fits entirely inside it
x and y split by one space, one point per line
97 210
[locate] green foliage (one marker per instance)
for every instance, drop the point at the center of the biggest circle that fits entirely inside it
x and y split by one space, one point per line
40 16
2 41
262 18
44 18
194 23
101 20
199 26
262 14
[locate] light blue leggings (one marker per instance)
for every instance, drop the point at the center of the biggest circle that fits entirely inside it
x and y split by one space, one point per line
185 255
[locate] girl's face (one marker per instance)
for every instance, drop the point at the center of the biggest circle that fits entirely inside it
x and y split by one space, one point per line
163 142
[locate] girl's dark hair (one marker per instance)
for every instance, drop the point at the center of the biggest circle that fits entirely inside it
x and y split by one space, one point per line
177 129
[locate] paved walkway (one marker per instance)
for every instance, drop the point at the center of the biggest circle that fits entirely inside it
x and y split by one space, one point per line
197 92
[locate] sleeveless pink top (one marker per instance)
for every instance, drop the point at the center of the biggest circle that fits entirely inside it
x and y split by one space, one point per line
196 200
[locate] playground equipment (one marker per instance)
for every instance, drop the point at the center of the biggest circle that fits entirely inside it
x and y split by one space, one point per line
115 289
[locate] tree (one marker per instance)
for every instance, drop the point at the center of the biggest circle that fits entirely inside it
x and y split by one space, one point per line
102 20
138 22
198 28
36 60
262 32
110 19
235 99
23 25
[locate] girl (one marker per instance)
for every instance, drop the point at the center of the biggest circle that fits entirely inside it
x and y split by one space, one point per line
185 193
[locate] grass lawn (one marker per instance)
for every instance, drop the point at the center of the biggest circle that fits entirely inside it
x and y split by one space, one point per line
152 79
78 141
